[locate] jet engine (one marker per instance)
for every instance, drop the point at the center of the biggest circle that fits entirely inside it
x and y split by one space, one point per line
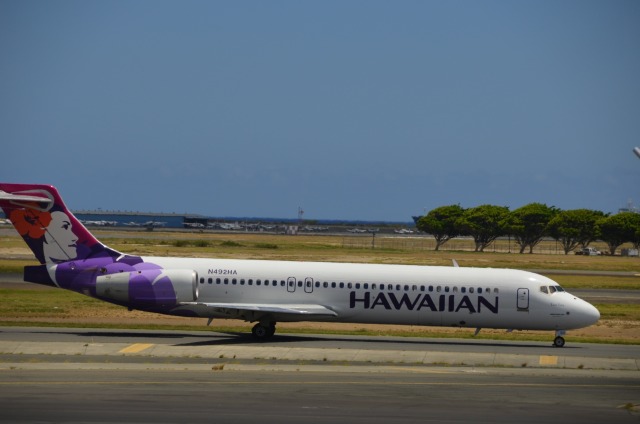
151 287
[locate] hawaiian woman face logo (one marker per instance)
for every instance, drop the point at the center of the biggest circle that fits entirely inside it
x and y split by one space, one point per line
59 239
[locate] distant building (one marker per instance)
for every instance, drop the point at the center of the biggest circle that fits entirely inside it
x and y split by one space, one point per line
137 219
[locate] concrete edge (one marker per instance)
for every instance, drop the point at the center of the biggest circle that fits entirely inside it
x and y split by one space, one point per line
356 357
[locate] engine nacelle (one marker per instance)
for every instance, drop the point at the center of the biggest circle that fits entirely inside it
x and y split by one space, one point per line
151 287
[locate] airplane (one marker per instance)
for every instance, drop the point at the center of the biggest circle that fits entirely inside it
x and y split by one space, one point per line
266 292
153 224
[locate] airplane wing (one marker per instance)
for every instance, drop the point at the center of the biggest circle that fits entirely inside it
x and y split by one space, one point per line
256 311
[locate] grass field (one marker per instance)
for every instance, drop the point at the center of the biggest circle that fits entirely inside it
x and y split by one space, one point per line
57 307
397 250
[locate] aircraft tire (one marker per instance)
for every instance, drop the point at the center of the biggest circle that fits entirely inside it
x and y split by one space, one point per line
263 332
558 341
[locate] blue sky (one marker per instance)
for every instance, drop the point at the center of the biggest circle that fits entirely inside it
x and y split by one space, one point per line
373 110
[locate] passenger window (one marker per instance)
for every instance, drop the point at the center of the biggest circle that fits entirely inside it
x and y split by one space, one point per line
242 281
258 282
218 281
390 287
357 285
446 289
438 289
333 285
210 281
234 281
496 290
348 285
226 281
365 286
470 289
398 287
406 288
479 290
463 289
341 285
317 284
455 289
430 288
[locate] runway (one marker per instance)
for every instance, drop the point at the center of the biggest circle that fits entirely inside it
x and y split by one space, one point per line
139 376
320 394
320 348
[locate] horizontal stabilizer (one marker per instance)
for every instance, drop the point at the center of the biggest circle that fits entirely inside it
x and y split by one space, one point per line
23 198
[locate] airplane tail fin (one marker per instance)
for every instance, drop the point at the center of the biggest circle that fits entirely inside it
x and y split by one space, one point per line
52 232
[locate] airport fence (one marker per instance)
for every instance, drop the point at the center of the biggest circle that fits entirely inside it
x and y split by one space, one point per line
501 245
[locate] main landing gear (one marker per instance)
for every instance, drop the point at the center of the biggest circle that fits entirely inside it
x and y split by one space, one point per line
263 331
559 340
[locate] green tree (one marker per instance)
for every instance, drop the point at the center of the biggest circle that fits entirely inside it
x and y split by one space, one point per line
636 238
574 227
618 229
441 223
528 224
484 223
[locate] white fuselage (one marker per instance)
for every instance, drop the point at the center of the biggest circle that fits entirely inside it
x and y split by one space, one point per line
390 294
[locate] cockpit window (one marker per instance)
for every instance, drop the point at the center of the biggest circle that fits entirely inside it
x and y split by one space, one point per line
551 289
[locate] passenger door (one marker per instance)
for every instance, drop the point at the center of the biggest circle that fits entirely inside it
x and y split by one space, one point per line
523 299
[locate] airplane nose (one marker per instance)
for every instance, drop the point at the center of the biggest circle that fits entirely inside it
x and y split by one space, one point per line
593 313
588 314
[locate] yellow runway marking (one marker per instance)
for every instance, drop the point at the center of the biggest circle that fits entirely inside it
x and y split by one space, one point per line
548 360
136 348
